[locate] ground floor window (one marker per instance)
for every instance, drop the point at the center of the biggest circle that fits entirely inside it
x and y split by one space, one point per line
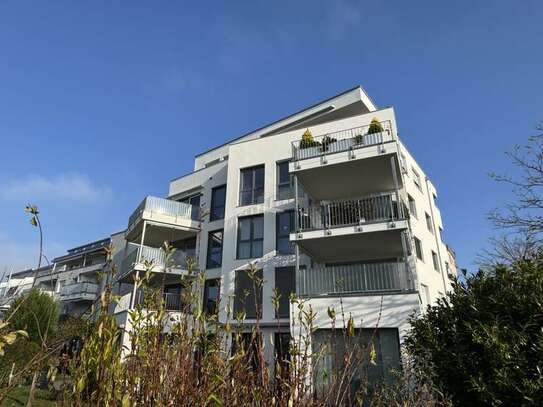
369 357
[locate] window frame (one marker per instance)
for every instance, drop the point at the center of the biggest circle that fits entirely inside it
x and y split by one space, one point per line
212 206
210 247
419 252
416 179
206 296
288 269
290 213
435 261
283 184
429 223
253 170
256 294
413 209
251 239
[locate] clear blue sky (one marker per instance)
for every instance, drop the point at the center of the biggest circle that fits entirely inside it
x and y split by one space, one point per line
102 103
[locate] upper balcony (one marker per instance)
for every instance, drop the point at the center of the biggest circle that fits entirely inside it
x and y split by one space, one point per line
136 256
81 291
336 165
164 220
355 229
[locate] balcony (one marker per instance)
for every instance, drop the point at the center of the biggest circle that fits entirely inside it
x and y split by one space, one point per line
173 302
355 229
81 291
359 278
336 164
136 255
165 220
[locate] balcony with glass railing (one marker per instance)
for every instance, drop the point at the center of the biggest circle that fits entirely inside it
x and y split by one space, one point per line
356 278
136 256
163 214
80 291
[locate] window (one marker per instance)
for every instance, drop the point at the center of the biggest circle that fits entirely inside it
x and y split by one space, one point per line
448 269
186 248
250 237
425 295
248 294
441 233
416 179
252 346
384 341
193 200
252 186
214 249
284 181
281 346
218 199
418 249
412 206
435 199
435 261
211 296
429 223
285 284
284 225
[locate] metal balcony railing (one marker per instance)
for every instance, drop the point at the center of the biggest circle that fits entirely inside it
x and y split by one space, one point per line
172 301
79 289
330 214
359 278
343 140
168 207
136 255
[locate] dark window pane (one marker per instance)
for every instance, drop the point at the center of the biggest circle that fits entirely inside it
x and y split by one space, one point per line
259 177
252 185
257 249
248 294
285 225
246 197
211 296
245 229
244 250
218 199
283 175
258 227
214 249
285 284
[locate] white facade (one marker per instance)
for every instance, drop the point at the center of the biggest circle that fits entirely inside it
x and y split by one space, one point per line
362 203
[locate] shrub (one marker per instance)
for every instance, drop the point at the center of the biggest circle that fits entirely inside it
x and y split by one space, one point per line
326 141
375 126
308 141
485 339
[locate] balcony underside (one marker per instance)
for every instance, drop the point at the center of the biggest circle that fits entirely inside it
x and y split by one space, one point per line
172 276
345 244
342 178
156 233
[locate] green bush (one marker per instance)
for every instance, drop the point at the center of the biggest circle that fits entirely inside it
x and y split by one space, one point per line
308 141
485 339
375 126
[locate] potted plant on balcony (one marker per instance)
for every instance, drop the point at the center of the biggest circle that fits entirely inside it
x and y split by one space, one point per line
327 141
310 145
375 128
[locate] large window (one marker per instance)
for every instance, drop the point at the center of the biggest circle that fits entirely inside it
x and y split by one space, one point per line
248 293
284 181
218 200
211 296
250 237
418 249
214 249
252 185
285 284
186 249
416 178
284 225
333 347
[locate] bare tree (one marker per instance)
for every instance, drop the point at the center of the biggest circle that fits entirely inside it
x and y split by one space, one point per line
521 220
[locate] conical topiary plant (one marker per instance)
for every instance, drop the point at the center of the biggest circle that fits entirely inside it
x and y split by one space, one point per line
307 140
375 126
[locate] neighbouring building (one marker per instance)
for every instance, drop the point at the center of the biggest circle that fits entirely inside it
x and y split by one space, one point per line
73 279
326 203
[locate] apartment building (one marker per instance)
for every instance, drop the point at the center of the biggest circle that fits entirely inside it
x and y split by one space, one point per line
73 279
327 204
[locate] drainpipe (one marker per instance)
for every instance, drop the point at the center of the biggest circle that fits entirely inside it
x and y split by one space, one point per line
435 234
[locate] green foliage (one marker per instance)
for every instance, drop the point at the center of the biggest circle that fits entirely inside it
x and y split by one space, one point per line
308 141
375 126
326 141
36 313
485 339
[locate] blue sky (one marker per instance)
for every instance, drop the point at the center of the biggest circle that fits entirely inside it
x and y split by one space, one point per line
102 103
